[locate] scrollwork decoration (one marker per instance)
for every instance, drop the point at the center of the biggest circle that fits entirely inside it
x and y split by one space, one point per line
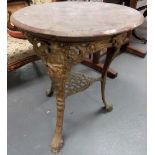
59 57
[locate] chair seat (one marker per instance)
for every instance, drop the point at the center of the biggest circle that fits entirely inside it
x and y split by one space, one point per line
19 52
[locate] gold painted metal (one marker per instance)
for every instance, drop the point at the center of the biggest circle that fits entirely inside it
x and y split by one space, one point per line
59 57
117 42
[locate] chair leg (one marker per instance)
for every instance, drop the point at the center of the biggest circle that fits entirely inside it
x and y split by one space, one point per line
94 64
138 37
135 51
145 13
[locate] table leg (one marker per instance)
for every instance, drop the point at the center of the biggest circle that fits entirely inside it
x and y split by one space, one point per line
112 52
58 70
57 140
59 59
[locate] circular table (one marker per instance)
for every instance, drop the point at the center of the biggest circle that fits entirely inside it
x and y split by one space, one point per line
63 33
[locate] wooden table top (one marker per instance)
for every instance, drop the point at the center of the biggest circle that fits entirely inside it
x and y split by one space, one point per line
77 19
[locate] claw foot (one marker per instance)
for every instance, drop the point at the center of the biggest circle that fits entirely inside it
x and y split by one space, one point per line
56 144
108 107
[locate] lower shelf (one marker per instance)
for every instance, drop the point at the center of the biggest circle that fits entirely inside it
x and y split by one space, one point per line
78 82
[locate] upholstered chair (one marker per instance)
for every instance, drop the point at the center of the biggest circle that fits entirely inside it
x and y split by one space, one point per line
19 53
19 50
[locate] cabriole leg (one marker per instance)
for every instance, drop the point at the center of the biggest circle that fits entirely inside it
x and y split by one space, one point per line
110 53
57 140
117 42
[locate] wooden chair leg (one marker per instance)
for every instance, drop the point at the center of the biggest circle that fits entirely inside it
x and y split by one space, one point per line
96 57
128 48
136 51
96 65
138 37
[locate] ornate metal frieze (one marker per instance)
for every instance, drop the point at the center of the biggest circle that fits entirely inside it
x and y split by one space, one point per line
59 57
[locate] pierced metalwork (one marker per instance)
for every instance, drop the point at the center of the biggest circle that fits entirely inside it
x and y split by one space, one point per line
59 57
78 82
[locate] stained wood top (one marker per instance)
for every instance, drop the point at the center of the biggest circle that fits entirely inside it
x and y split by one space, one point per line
77 19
